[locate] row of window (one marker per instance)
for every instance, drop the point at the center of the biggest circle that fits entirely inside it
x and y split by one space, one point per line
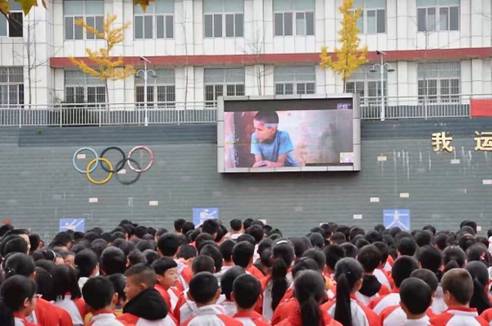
225 18
437 82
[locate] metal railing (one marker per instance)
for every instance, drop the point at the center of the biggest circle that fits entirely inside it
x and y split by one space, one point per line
133 114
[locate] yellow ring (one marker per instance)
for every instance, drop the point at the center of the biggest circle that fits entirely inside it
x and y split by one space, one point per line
89 167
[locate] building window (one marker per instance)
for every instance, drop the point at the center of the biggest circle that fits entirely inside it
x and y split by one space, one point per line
223 18
366 82
294 80
373 16
12 27
293 17
156 22
439 82
82 88
92 11
11 85
222 82
438 15
161 89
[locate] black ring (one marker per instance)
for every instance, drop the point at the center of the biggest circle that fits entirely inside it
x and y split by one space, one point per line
117 169
123 163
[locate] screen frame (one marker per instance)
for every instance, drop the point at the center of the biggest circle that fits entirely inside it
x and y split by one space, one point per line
356 134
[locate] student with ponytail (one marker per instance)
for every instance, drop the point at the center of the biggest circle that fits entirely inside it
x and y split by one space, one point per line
277 284
309 294
17 301
453 257
480 277
346 309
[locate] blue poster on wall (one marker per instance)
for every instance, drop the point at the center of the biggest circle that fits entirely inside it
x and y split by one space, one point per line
200 215
76 224
396 218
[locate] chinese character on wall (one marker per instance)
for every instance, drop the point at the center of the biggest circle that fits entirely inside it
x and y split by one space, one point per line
442 142
483 141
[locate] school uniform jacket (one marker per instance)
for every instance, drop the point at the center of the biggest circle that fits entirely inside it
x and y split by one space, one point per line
487 315
458 316
361 315
395 315
293 317
379 304
371 289
211 315
105 319
48 314
250 318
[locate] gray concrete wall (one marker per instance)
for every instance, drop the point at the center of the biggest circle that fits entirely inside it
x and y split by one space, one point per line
38 184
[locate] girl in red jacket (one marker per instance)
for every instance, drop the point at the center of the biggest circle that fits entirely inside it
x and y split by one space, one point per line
18 299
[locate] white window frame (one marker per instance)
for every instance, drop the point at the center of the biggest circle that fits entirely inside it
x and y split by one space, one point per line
81 89
222 16
222 88
154 16
11 87
154 87
437 20
98 23
363 22
297 85
294 28
439 97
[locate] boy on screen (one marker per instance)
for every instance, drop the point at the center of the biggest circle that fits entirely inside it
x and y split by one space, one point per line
272 147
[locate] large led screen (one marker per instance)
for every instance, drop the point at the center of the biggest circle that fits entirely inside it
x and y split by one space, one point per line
288 134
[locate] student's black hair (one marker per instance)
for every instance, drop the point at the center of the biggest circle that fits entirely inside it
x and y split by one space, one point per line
142 274
267 116
479 252
453 257
441 241
300 244
61 239
119 282
13 243
35 241
427 276
369 257
338 238
150 256
65 282
98 292
242 253
305 263
430 228
113 260
423 238
246 237
265 252
210 226
415 295
168 244
471 224
226 248
143 245
407 246
317 240
13 293
201 238
236 224
203 287
480 276
333 253
402 268
221 233
247 222
246 289
5 228
348 272
98 246
373 236
383 250
309 289
136 257
228 278
18 264
355 231
350 250
317 255
459 283
188 226
48 265
431 258
256 231
86 261
186 252
283 255
45 283
466 240
91 236
178 224
124 245
213 252
203 264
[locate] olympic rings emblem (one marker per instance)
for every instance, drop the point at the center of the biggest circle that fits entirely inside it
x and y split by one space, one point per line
108 167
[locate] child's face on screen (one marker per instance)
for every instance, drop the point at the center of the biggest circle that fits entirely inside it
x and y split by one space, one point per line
263 132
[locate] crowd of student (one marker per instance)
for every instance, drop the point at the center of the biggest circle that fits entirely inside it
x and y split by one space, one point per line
247 275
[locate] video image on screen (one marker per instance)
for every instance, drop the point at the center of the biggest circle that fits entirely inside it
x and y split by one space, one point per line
293 138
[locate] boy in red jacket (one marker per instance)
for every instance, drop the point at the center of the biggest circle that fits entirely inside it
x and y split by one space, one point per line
457 285
245 292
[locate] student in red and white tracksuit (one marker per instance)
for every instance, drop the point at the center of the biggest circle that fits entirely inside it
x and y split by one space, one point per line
246 290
